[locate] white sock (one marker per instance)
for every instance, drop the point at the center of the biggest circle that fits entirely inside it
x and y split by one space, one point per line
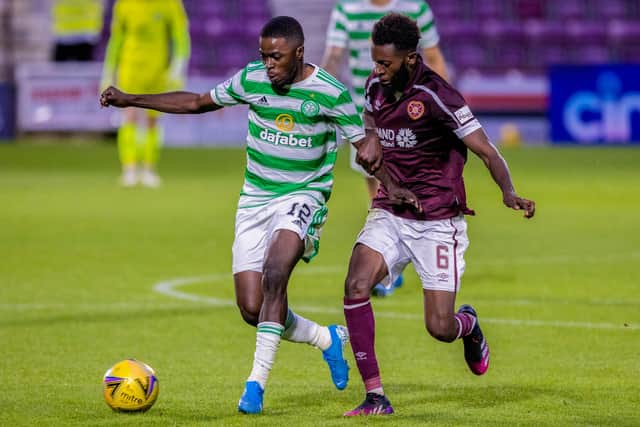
378 390
267 342
300 329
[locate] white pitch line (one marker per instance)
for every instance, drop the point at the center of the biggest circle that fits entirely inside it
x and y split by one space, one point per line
169 288
115 306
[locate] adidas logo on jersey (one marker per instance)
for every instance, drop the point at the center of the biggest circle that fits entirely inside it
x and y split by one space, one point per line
262 101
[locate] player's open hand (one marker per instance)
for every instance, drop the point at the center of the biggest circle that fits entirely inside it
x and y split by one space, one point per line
401 196
513 201
114 97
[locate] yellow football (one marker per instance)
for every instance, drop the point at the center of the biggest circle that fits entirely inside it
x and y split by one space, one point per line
130 386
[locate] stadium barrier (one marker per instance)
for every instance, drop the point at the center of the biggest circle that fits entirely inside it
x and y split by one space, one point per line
64 97
512 108
595 104
575 105
7 112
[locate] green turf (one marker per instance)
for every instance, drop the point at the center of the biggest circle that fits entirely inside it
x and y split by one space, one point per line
79 258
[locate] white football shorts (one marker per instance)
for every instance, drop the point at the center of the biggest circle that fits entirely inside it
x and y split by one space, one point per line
300 213
436 248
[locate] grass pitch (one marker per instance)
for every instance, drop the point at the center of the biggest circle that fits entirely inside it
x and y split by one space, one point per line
80 258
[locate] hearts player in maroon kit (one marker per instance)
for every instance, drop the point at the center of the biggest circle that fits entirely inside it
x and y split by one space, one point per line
425 129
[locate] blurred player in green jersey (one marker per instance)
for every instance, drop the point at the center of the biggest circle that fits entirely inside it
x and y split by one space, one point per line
148 52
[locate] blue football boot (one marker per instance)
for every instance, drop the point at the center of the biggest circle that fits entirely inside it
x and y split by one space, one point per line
251 400
334 356
381 290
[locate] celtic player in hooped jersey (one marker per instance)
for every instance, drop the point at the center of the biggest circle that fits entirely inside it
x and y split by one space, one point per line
425 129
291 143
295 110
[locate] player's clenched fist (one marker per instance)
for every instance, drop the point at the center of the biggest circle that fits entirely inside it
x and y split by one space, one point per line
513 201
369 154
115 97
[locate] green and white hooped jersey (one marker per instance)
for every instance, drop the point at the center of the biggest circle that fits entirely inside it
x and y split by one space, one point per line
351 25
291 141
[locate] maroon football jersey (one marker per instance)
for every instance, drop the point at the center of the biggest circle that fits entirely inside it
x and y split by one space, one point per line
421 134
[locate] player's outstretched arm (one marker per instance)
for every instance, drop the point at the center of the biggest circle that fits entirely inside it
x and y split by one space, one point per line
478 142
170 102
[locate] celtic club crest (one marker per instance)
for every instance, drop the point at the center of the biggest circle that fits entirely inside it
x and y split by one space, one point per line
310 108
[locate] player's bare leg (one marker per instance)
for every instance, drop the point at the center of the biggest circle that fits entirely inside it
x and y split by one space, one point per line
248 288
439 314
275 320
445 325
283 253
366 268
329 339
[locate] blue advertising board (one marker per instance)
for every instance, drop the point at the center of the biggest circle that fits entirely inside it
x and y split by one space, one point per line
595 104
7 112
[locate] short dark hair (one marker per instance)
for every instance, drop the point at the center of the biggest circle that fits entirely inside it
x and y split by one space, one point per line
284 26
396 29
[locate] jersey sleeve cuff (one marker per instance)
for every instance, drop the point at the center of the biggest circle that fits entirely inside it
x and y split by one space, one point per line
355 137
465 130
215 97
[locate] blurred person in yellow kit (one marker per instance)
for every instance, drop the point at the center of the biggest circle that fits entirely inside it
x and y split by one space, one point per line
148 52
76 29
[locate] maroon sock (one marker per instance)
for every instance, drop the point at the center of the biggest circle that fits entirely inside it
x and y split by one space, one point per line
361 324
464 324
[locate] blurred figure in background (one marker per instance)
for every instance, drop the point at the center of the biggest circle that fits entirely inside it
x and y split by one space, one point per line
350 28
76 28
148 52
